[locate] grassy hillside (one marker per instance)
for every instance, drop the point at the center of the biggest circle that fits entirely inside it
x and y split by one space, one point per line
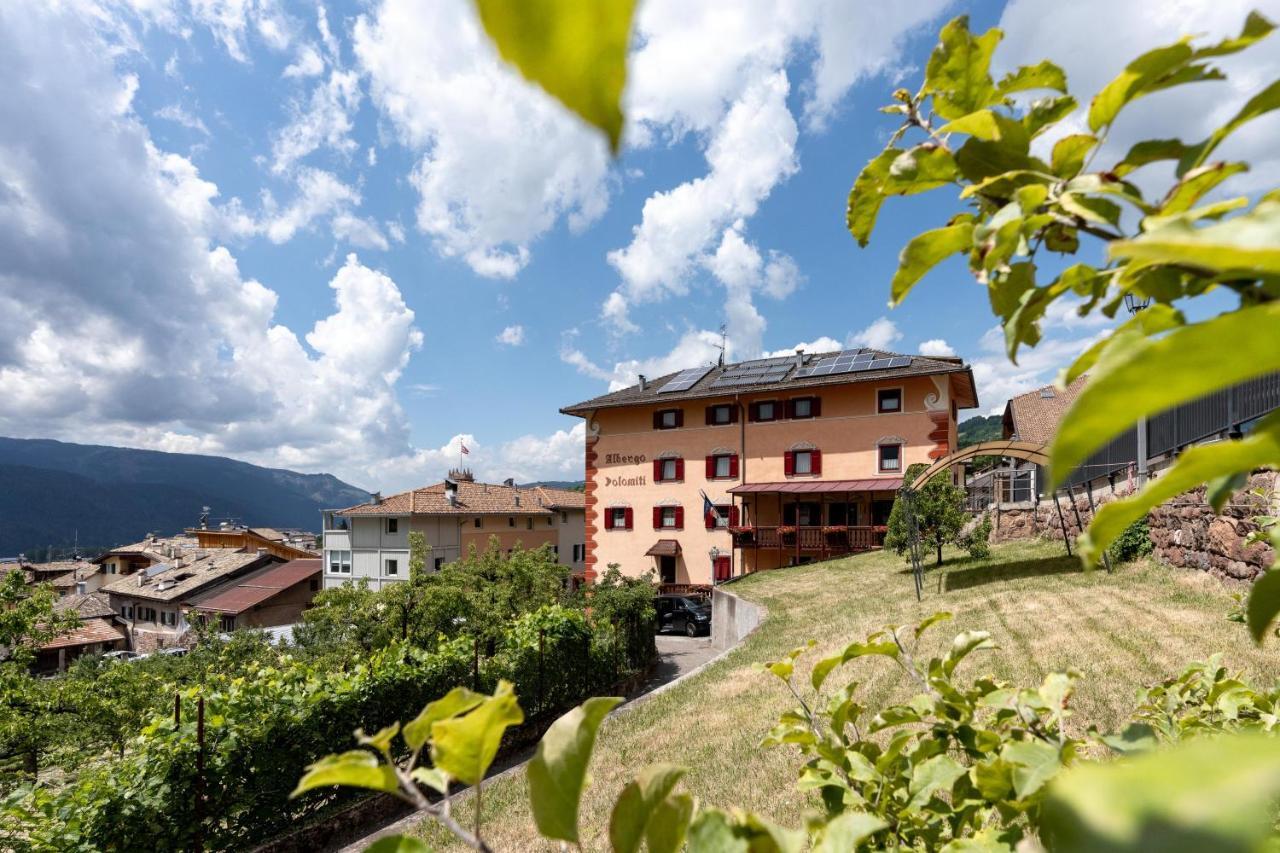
1118 631
107 496
975 430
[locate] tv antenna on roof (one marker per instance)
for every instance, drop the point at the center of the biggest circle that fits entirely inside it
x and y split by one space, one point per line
724 335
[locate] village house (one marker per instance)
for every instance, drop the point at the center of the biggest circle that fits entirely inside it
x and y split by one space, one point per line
127 559
152 602
724 469
272 596
251 539
371 540
97 633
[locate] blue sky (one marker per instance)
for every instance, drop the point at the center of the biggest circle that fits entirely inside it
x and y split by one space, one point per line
344 237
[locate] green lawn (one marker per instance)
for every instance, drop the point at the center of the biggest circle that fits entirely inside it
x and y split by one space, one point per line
1117 631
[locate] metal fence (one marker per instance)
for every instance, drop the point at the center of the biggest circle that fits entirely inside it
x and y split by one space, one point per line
1216 415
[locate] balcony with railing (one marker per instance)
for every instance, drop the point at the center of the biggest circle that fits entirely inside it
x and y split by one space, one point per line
828 539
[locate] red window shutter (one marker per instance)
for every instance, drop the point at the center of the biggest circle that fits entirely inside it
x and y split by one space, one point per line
679 417
816 407
733 465
679 469
789 463
657 518
657 420
753 413
711 415
679 518
608 519
628 520
733 413
790 408
816 464
657 470
711 467
733 516
710 519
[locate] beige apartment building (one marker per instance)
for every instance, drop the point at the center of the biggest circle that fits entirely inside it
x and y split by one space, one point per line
720 470
370 541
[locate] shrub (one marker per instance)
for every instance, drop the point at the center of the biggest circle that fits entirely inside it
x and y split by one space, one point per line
1133 543
978 540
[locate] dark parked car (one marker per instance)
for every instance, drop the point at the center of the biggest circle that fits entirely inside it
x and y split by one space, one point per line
684 614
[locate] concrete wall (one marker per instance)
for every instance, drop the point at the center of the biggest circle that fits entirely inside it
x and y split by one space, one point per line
732 618
848 434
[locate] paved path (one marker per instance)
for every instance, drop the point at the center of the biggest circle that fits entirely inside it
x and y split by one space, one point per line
677 656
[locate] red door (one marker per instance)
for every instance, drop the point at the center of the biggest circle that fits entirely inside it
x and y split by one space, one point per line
723 568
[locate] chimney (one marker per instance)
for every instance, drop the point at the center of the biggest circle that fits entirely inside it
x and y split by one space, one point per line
644 383
451 492
510 482
517 499
81 588
799 357
377 498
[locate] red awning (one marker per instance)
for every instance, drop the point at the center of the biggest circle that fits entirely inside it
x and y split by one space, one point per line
664 548
875 484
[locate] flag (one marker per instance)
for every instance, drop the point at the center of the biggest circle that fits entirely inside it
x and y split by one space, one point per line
708 509
465 452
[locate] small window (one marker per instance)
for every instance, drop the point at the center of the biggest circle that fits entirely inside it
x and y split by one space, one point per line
891 457
479 523
439 563
670 518
564 518
669 469
550 521
511 521
668 419
227 624
339 562
766 411
315 585
555 549
529 522
806 407
804 462
618 518
392 567
889 400
719 415
393 525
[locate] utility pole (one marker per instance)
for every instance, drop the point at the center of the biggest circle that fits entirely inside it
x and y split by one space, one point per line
1136 304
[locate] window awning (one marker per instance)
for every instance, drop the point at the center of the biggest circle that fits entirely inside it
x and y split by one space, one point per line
664 548
873 484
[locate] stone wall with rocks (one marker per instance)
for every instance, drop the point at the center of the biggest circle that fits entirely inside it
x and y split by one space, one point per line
1184 531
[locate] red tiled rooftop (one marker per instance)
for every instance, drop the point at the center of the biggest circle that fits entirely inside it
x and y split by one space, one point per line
258 587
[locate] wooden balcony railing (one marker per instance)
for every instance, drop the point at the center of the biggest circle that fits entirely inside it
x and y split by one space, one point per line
829 538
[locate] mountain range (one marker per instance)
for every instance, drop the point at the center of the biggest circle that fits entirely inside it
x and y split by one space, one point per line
54 494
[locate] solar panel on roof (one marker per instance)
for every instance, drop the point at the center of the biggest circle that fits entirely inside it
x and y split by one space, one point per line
851 361
758 372
685 379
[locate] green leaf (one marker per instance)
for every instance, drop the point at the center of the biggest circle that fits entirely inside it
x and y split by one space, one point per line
990 126
930 621
1191 362
931 776
1256 28
1069 154
1263 102
711 832
1143 75
398 844
575 51
1195 465
635 807
923 168
1044 75
924 252
557 773
957 72
1194 184
1091 209
1046 112
1007 290
669 825
1149 151
1034 764
846 831
1205 794
1263 605
380 741
457 701
965 644
1246 245
432 777
356 768
1213 210
1221 489
465 746
1136 737
868 194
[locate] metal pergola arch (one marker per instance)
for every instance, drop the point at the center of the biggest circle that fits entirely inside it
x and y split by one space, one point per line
1037 453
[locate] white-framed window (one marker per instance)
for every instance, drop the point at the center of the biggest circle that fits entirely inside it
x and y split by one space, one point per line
891 457
804 461
888 401
670 517
618 518
391 567
669 469
393 526
339 562
722 466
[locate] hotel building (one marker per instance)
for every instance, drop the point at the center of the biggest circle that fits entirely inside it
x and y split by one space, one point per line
799 458
371 540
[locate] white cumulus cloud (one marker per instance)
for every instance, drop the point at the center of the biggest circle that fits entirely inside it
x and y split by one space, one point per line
882 334
512 336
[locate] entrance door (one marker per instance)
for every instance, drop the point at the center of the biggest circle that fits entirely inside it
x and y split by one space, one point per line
667 569
723 568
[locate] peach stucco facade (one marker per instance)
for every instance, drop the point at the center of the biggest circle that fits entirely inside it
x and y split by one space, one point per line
623 443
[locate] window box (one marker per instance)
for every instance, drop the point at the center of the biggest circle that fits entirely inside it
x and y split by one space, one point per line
668 518
802 408
722 466
668 470
888 401
668 419
618 518
890 458
802 463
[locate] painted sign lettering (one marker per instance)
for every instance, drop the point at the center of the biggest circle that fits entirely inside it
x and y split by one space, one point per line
624 459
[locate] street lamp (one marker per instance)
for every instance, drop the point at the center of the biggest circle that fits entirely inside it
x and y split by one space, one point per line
714 553
1135 304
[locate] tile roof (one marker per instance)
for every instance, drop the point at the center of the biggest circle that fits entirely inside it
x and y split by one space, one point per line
257 587
157 549
198 569
90 631
57 567
474 499
80 573
90 605
920 366
1034 417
